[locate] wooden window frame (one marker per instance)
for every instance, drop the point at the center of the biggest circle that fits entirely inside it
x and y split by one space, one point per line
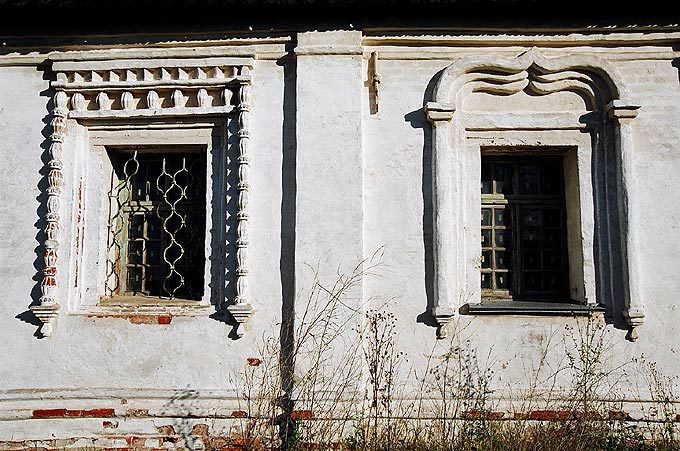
516 289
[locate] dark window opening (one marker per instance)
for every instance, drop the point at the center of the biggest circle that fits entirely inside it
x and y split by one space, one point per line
157 225
523 228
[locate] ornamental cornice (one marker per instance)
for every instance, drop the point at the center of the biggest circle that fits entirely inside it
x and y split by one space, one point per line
151 86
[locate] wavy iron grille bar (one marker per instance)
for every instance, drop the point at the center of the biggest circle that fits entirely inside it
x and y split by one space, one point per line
157 225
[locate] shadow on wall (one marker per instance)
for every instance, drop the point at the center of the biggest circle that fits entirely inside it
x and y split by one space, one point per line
40 223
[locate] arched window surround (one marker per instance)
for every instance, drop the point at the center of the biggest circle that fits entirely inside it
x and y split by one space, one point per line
607 117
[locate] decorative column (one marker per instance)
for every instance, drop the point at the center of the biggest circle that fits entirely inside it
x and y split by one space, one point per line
446 217
624 113
48 308
241 309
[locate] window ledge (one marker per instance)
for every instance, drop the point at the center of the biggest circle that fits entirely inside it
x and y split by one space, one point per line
507 307
123 306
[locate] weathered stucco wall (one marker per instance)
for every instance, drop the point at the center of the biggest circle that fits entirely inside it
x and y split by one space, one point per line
340 173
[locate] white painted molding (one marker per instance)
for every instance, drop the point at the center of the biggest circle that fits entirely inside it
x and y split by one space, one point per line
48 308
603 91
623 113
112 89
241 309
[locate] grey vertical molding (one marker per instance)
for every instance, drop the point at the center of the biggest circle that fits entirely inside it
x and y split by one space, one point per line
47 309
445 215
241 309
623 113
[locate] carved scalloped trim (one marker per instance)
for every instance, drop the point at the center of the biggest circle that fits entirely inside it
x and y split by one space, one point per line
151 87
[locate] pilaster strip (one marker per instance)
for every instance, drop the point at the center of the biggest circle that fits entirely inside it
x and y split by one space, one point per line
624 112
48 308
241 310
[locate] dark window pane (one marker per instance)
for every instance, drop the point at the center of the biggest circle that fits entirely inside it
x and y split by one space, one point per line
502 217
551 178
552 217
486 259
153 252
135 252
153 225
486 216
528 179
503 177
531 238
164 239
486 238
486 280
553 281
552 259
532 259
503 259
155 170
502 281
531 217
136 229
503 238
552 238
532 211
134 278
486 179
138 180
533 281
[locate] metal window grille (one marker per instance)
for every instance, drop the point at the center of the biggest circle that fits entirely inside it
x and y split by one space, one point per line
157 225
523 228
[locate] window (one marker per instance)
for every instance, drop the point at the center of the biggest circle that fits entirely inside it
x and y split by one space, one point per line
487 111
157 224
523 228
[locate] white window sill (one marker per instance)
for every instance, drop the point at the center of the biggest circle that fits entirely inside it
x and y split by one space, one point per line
543 308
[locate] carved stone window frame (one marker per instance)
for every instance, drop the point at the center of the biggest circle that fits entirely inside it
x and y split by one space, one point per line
110 100
607 120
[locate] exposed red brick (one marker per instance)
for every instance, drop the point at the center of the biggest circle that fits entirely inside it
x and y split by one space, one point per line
476 414
49 413
677 417
166 429
137 412
520 416
142 319
135 441
73 413
239 414
254 361
301 415
109 424
590 415
200 429
149 319
551 414
92 413
237 441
